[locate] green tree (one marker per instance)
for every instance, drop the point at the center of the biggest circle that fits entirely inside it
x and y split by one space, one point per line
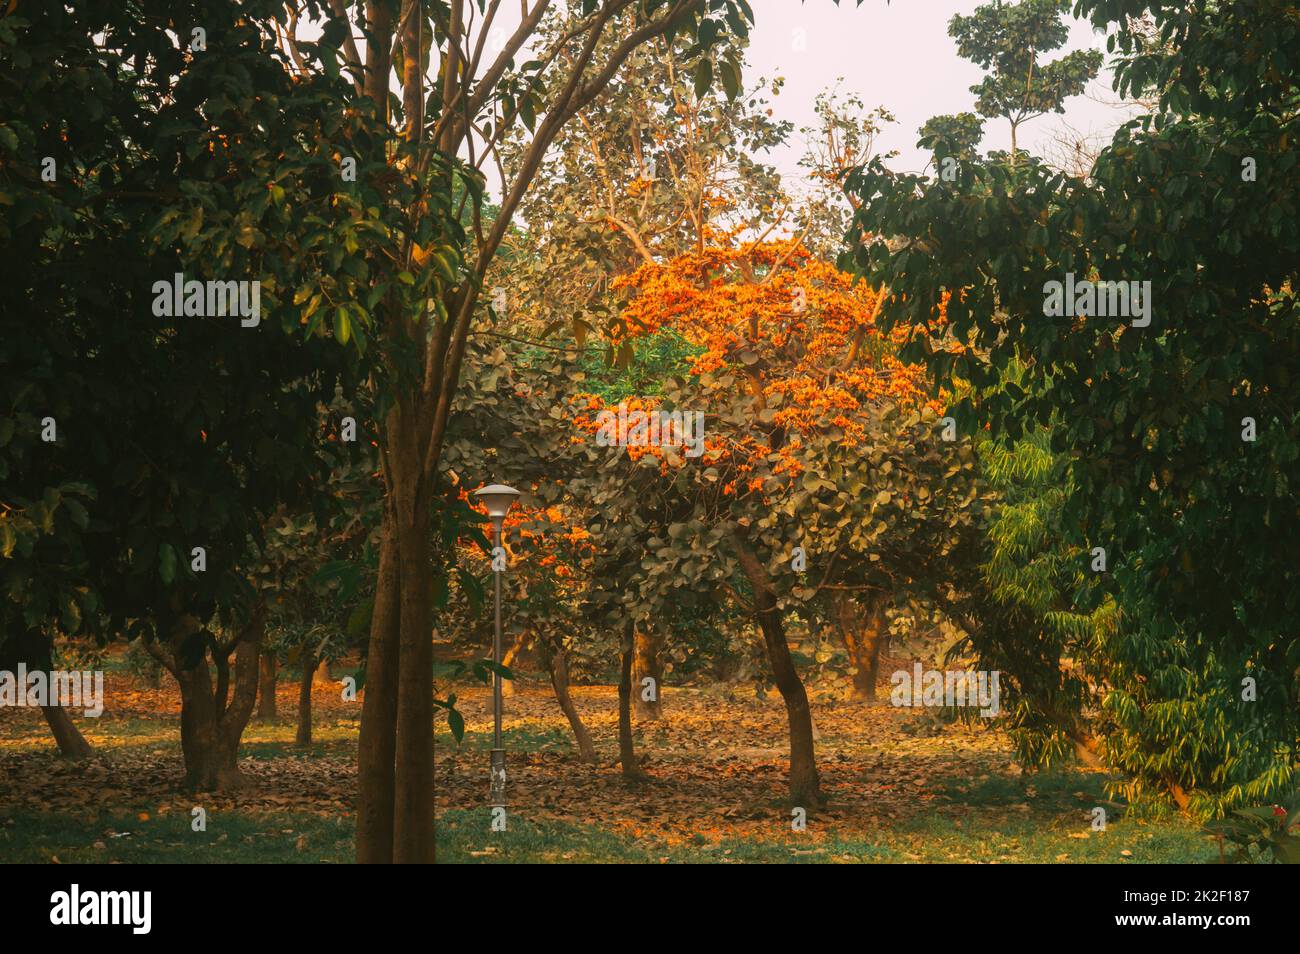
1007 39
146 448
1180 439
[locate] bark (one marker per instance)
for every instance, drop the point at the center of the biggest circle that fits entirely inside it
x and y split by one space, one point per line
626 748
647 661
305 681
511 659
71 742
267 672
805 783
379 712
32 648
413 778
557 664
212 719
864 629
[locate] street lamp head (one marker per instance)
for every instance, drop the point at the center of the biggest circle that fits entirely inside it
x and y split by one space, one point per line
498 498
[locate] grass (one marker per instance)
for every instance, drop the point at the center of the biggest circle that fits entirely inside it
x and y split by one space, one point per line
229 838
528 738
465 837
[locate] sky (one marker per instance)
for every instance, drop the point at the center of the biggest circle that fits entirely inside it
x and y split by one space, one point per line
899 55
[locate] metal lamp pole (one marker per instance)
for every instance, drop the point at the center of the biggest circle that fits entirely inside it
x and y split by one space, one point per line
498 498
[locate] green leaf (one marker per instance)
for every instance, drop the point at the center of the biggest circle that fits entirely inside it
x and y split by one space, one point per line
703 76
456 722
731 78
166 563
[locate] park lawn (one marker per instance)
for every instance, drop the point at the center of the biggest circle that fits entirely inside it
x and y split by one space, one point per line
901 789
464 838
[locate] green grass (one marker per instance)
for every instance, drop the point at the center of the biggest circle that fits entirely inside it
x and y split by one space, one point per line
522 739
230 838
1050 790
465 837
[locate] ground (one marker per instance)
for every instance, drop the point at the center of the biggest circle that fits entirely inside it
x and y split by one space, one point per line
902 788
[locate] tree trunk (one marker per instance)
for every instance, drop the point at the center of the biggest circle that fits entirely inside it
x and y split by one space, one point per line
864 630
647 662
267 673
72 743
413 777
626 749
379 712
557 664
212 719
32 648
211 765
805 783
511 658
305 681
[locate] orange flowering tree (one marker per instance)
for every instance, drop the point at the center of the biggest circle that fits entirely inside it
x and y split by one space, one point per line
820 469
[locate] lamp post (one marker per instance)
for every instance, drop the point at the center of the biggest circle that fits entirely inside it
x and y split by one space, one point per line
498 499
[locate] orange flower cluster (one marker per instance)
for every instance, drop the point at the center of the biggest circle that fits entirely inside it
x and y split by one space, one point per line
777 324
538 530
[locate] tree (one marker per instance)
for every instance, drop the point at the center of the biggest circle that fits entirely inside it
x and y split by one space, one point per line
1155 406
473 101
805 446
149 519
1007 39
957 136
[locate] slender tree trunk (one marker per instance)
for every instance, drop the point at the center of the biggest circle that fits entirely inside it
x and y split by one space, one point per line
805 783
626 748
648 663
32 648
511 659
557 664
305 682
379 712
72 743
864 630
413 778
267 672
